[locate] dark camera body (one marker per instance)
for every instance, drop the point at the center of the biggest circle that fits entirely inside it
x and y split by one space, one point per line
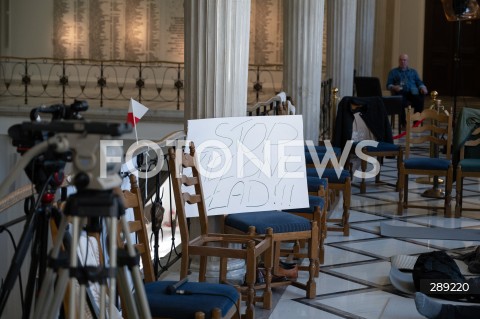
67 121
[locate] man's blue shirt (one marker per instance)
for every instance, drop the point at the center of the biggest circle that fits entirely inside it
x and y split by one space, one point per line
407 78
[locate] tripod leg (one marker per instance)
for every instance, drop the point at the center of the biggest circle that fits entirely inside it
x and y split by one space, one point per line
18 258
112 246
82 302
140 295
46 290
103 298
73 262
54 294
34 266
125 291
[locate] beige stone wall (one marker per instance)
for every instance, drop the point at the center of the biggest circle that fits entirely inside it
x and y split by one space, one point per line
399 29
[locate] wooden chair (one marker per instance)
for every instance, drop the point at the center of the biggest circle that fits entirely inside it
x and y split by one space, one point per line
467 167
287 227
336 184
252 247
204 300
436 131
383 149
317 211
373 112
380 152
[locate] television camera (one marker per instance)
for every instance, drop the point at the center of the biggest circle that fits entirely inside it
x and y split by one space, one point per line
46 147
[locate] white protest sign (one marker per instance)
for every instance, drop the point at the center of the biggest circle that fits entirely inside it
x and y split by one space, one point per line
250 163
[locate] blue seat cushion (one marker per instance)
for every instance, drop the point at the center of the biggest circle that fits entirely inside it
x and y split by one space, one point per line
427 163
323 149
470 165
383 147
309 157
279 221
314 183
205 296
330 174
313 201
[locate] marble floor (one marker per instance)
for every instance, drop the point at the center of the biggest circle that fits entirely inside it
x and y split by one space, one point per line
354 280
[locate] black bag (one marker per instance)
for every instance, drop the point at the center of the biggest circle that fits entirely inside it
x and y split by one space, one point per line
437 265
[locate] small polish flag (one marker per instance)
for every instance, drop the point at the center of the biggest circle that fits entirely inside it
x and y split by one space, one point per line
135 112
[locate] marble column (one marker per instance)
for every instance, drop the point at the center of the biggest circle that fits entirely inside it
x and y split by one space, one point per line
217 34
341 17
365 35
302 71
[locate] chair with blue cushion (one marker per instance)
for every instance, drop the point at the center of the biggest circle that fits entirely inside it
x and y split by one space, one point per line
318 199
322 149
335 183
365 119
286 228
340 182
250 247
317 188
467 167
382 150
201 300
435 133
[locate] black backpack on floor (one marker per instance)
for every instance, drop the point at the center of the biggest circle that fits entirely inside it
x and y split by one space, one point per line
437 265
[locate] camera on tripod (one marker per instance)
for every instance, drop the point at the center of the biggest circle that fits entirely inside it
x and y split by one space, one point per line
46 147
60 111
68 138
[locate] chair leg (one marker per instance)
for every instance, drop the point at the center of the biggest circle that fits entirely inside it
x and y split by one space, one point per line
185 264
267 293
250 278
202 272
311 288
448 193
223 269
346 207
405 191
363 184
401 189
276 257
216 314
377 177
323 235
399 162
458 195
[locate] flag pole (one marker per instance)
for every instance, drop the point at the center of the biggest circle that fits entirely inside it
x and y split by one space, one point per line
136 135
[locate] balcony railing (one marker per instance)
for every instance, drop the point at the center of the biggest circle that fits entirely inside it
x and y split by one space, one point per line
100 82
158 84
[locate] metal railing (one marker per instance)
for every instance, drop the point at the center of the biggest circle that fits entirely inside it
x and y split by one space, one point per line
158 84
264 81
34 79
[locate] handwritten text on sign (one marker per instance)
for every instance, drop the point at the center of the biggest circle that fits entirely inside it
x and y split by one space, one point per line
250 163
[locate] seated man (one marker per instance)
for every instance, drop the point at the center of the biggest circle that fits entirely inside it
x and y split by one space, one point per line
405 81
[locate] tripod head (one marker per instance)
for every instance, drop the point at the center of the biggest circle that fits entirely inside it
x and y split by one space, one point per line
68 140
